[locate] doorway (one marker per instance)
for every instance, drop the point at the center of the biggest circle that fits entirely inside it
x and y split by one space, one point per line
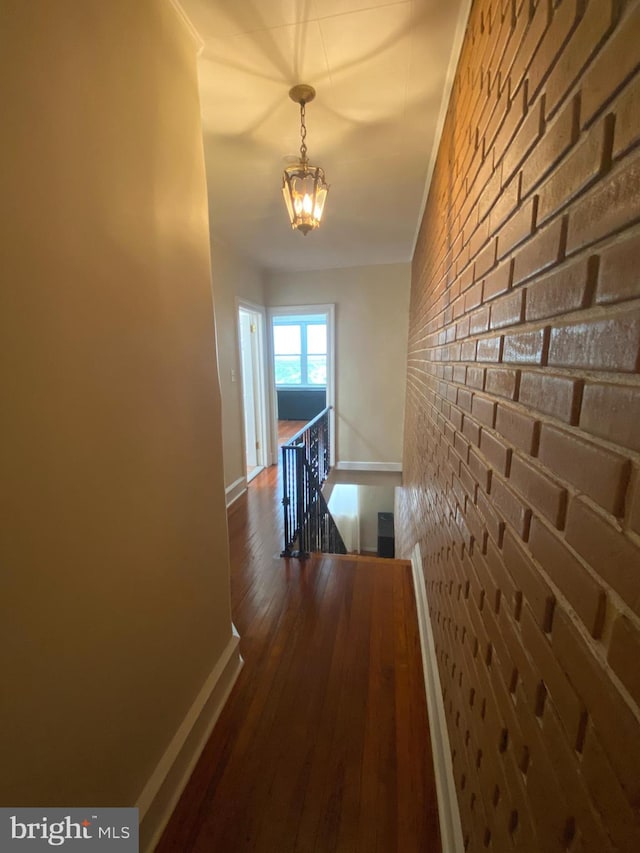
302 366
251 323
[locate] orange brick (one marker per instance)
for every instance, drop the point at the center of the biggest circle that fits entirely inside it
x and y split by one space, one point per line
473 297
479 321
608 795
536 30
498 281
505 205
477 527
514 512
494 525
463 399
598 20
459 373
518 228
609 551
503 141
566 289
528 135
490 194
633 502
560 775
484 410
468 351
518 428
603 702
480 237
504 383
525 347
508 311
495 451
542 251
540 490
585 594
557 396
475 377
612 204
489 349
567 704
527 578
471 430
588 820
462 329
612 344
617 60
557 140
468 482
486 259
509 597
624 654
626 109
564 18
594 470
619 278
480 471
455 416
461 446
580 169
514 42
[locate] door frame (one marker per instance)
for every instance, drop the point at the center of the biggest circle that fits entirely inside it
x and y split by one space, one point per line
259 359
329 310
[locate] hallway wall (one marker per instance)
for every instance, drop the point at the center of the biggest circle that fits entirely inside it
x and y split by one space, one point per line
372 315
233 278
115 590
522 439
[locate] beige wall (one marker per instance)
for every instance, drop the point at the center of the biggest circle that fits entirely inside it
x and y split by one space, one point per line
234 278
114 604
372 305
371 501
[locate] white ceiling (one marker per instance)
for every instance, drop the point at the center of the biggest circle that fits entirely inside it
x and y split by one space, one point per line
379 69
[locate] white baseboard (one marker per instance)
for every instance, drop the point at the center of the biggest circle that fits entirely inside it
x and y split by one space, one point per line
167 782
448 810
368 466
237 488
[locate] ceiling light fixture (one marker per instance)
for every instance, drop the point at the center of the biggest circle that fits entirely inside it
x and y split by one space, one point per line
303 186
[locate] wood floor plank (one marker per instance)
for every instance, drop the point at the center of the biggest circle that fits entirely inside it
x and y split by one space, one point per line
323 744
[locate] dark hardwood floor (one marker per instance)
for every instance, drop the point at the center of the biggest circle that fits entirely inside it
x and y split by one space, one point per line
324 742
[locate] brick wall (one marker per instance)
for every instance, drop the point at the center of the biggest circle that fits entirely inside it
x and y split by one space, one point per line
522 428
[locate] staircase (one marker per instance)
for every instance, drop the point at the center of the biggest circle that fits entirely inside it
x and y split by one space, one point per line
308 525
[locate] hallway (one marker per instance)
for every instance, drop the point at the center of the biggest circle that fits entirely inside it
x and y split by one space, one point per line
324 742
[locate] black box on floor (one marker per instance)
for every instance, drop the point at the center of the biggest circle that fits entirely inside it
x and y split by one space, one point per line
386 542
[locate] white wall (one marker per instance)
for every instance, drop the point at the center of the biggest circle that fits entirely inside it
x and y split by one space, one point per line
372 316
234 278
371 501
114 600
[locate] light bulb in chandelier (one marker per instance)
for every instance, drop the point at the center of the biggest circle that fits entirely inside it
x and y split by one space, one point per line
304 187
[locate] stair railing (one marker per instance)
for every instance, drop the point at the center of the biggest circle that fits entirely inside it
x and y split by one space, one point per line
308 524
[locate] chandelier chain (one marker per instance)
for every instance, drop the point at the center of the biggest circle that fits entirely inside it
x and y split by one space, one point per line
303 134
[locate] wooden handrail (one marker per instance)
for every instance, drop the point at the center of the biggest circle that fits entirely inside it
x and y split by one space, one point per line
294 439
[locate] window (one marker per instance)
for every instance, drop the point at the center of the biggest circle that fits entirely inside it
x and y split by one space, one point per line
300 351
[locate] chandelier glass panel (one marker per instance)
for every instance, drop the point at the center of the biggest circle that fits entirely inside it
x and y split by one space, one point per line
304 186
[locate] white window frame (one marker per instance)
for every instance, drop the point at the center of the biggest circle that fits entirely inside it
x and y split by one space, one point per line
303 322
329 310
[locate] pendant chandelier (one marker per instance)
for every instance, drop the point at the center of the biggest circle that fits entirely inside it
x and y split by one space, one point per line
303 186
